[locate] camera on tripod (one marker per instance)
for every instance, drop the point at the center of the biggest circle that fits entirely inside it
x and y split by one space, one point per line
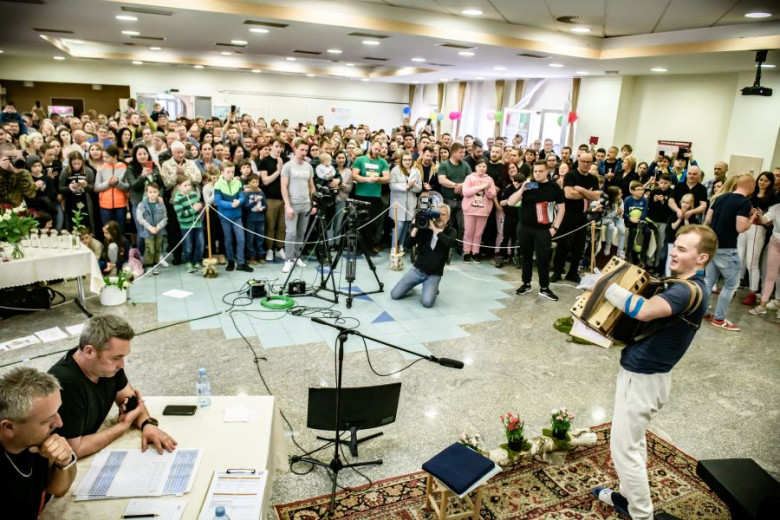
323 196
426 211
356 211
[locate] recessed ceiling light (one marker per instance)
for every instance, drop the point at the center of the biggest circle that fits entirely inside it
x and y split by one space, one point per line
349 64
238 42
365 80
556 65
1 51
472 12
581 30
334 51
309 75
258 30
371 42
758 14
126 18
137 62
443 80
226 53
130 33
197 66
59 58
582 72
155 48
480 78
764 66
658 69
465 53
499 67
290 58
419 60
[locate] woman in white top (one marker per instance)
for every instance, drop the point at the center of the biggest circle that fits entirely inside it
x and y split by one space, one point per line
772 262
405 185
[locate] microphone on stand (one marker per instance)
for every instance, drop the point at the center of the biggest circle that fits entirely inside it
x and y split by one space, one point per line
449 363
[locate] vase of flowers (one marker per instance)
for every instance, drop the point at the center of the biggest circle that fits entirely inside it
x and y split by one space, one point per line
513 428
473 442
114 291
78 216
561 420
16 224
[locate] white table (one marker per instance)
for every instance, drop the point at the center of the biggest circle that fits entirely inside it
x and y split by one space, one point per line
41 265
258 445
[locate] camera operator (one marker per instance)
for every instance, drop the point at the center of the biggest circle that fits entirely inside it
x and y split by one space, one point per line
433 244
16 182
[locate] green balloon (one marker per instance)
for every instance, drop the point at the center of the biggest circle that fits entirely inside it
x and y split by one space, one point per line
560 120
524 118
498 115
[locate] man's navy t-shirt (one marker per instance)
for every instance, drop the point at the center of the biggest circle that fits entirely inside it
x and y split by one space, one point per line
661 351
725 211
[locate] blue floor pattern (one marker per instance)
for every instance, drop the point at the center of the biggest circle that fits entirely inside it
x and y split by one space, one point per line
467 294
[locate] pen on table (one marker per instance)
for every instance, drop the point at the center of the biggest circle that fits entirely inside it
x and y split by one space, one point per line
150 515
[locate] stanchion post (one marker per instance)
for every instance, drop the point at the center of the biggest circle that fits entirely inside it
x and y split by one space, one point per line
592 246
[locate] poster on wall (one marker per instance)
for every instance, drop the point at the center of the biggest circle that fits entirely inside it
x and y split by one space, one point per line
61 110
221 112
670 148
340 116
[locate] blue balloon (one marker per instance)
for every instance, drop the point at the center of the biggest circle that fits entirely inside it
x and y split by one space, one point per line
407 111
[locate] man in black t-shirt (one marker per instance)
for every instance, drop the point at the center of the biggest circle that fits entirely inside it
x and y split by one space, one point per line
539 223
644 378
579 188
36 462
93 380
693 186
730 214
270 169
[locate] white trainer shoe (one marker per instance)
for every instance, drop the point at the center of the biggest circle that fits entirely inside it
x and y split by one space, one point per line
288 265
269 255
280 254
300 263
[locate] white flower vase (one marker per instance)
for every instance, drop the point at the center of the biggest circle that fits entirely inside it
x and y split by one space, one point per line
111 295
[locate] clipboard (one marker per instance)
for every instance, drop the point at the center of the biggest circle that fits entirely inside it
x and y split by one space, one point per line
240 491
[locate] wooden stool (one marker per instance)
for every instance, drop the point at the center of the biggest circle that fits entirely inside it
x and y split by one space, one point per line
439 496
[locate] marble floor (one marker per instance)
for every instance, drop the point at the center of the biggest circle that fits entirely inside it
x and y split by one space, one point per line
725 398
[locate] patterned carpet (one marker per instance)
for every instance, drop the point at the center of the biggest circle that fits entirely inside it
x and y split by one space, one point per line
533 490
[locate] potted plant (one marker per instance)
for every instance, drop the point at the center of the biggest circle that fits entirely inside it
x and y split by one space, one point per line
473 442
16 224
115 290
513 428
78 216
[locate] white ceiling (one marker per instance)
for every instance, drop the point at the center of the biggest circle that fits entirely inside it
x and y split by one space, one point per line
644 33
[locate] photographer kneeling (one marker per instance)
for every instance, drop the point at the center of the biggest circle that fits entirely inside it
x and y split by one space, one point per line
433 244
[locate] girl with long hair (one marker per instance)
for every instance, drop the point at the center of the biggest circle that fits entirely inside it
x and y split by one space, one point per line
751 243
76 185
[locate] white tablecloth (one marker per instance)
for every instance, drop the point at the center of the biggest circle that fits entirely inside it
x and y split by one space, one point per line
259 445
40 265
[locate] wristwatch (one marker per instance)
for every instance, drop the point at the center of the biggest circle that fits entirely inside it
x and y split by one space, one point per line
73 460
150 420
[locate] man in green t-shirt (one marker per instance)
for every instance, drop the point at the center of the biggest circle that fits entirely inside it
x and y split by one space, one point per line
452 173
369 172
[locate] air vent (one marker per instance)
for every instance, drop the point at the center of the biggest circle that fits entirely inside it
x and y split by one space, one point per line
375 59
55 31
130 44
149 38
220 44
266 24
25 1
613 72
367 35
454 46
529 55
146 10
569 19
309 53
439 64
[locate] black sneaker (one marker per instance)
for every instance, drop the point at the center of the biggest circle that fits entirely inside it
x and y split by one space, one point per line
245 268
499 261
475 258
546 293
555 278
231 265
467 257
572 277
524 289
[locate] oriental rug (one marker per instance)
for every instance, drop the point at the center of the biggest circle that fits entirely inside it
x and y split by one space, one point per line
534 489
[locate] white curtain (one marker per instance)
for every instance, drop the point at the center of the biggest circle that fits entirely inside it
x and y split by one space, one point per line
531 86
480 97
419 109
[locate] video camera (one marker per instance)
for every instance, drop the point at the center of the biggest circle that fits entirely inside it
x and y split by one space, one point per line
323 196
356 211
425 212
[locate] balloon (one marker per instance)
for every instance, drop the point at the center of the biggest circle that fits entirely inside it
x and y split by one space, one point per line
407 110
491 116
524 118
499 115
432 116
572 117
560 120
440 117
453 116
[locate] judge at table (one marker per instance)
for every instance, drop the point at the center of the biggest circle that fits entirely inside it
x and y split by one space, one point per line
93 380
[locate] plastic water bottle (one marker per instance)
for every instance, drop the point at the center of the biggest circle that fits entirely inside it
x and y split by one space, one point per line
220 514
203 389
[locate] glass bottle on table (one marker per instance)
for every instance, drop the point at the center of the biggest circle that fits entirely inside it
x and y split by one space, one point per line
220 514
203 388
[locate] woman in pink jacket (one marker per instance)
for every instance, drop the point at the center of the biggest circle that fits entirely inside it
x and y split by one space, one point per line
479 192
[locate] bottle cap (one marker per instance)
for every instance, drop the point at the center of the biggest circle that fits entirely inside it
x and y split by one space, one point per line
202 371
219 511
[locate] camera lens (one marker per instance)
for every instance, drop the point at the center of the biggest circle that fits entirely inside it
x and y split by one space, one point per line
19 163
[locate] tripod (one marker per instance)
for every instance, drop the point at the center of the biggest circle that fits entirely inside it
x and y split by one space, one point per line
335 465
322 257
353 243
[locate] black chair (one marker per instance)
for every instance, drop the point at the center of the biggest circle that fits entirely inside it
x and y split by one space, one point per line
744 486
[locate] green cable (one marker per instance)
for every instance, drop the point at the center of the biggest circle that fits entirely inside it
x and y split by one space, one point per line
277 302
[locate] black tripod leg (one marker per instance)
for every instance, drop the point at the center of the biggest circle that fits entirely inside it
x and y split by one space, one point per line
370 263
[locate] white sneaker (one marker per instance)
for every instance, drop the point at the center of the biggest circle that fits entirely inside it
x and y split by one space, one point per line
163 263
288 265
280 254
773 305
269 255
300 263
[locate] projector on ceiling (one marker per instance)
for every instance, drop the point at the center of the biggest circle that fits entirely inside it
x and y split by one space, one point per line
757 91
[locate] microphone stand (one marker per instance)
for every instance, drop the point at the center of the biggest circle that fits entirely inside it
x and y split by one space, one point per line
335 464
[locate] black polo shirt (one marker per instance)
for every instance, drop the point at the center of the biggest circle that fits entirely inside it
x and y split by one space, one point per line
699 192
538 206
576 208
23 497
85 405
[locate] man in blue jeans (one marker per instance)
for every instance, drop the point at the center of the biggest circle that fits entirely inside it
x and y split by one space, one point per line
433 249
729 215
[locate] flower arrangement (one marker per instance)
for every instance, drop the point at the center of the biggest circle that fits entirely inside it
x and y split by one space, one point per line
471 441
513 429
16 224
561 420
123 279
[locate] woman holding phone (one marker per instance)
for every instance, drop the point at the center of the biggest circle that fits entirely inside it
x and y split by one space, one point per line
141 172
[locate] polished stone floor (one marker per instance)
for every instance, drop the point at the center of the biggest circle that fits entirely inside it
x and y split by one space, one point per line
725 398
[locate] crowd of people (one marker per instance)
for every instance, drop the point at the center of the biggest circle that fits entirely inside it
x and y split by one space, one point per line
144 180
